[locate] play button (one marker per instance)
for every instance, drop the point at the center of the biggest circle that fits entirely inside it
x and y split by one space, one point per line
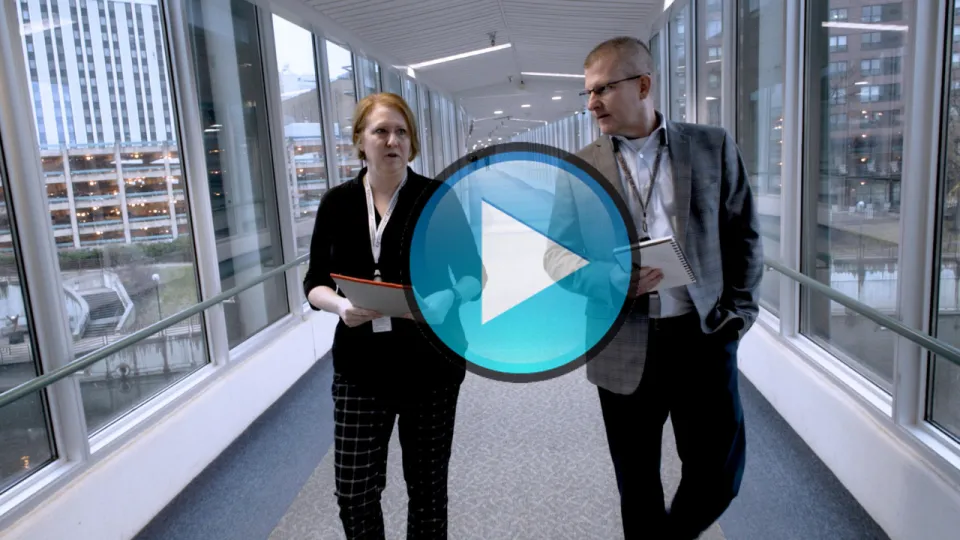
514 265
544 225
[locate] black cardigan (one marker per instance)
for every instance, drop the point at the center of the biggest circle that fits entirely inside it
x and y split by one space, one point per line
407 356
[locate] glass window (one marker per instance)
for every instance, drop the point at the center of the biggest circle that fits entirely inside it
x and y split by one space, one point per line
852 189
678 66
119 214
391 81
26 442
450 136
838 43
760 81
240 170
436 120
426 127
344 100
368 77
410 95
944 394
655 53
710 69
302 126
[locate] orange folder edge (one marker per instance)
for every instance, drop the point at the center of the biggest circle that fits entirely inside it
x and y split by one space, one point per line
370 281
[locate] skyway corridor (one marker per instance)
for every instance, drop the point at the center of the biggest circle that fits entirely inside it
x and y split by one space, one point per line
529 462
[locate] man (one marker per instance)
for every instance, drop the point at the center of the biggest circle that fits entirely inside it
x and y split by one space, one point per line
676 352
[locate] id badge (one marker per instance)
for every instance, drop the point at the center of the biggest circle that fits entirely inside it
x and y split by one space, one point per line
382 324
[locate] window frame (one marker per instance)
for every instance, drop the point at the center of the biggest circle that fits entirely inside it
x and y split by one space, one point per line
926 50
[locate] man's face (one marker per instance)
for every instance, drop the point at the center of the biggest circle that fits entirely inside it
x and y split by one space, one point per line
619 107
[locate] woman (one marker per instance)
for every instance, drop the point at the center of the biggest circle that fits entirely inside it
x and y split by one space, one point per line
384 368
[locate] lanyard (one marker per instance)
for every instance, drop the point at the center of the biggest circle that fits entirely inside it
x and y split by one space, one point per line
644 204
376 233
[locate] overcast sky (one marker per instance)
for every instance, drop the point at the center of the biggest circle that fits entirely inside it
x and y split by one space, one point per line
294 49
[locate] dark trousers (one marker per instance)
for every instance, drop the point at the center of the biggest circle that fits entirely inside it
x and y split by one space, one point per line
363 425
693 378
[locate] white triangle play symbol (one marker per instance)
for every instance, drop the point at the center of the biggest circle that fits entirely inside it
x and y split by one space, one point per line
512 254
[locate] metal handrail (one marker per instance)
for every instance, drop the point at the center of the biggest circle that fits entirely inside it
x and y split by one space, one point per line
45 380
941 349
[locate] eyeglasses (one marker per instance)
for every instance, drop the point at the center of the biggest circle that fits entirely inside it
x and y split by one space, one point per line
599 90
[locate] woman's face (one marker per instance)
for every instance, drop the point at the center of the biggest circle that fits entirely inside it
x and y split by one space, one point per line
386 139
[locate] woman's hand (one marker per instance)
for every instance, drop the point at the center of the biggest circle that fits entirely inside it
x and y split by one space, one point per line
354 316
435 307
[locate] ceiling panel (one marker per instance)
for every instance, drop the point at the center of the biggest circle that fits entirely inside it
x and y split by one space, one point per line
546 36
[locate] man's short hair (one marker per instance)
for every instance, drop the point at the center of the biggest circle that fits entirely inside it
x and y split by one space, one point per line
632 53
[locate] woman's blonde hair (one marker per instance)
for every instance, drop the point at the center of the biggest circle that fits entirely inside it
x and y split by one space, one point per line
393 101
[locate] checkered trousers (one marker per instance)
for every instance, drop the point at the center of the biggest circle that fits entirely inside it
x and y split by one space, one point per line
363 424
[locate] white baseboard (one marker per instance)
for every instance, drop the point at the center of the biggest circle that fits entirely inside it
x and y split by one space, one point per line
899 489
121 493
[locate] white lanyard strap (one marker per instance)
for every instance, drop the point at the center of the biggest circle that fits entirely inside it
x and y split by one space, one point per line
376 233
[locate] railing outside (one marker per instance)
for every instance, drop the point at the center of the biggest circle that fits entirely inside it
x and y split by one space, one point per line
83 362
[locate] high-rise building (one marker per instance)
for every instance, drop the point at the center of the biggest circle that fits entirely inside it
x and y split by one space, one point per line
101 96
101 63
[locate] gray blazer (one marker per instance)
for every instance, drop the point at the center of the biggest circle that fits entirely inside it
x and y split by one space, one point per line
717 228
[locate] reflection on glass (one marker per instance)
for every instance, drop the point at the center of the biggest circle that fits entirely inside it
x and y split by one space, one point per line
391 81
26 442
437 131
450 133
760 80
657 74
343 98
240 170
426 137
302 126
118 204
368 77
678 66
410 95
710 59
944 398
854 154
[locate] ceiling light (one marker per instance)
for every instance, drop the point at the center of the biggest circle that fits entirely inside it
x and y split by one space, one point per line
867 26
526 105
556 98
459 56
411 73
540 74
497 112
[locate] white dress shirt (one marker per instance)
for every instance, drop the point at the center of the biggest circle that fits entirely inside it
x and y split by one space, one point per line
640 155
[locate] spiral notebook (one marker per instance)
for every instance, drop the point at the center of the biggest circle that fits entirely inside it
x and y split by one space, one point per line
663 253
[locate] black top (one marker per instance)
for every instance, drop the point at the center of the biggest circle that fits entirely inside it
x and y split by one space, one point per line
407 356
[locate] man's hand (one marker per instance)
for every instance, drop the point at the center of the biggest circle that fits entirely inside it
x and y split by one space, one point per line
645 281
354 316
640 283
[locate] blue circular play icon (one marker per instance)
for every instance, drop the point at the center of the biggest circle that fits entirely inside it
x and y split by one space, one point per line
547 227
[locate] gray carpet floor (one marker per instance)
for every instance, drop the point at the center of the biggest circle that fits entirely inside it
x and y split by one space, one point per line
530 462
